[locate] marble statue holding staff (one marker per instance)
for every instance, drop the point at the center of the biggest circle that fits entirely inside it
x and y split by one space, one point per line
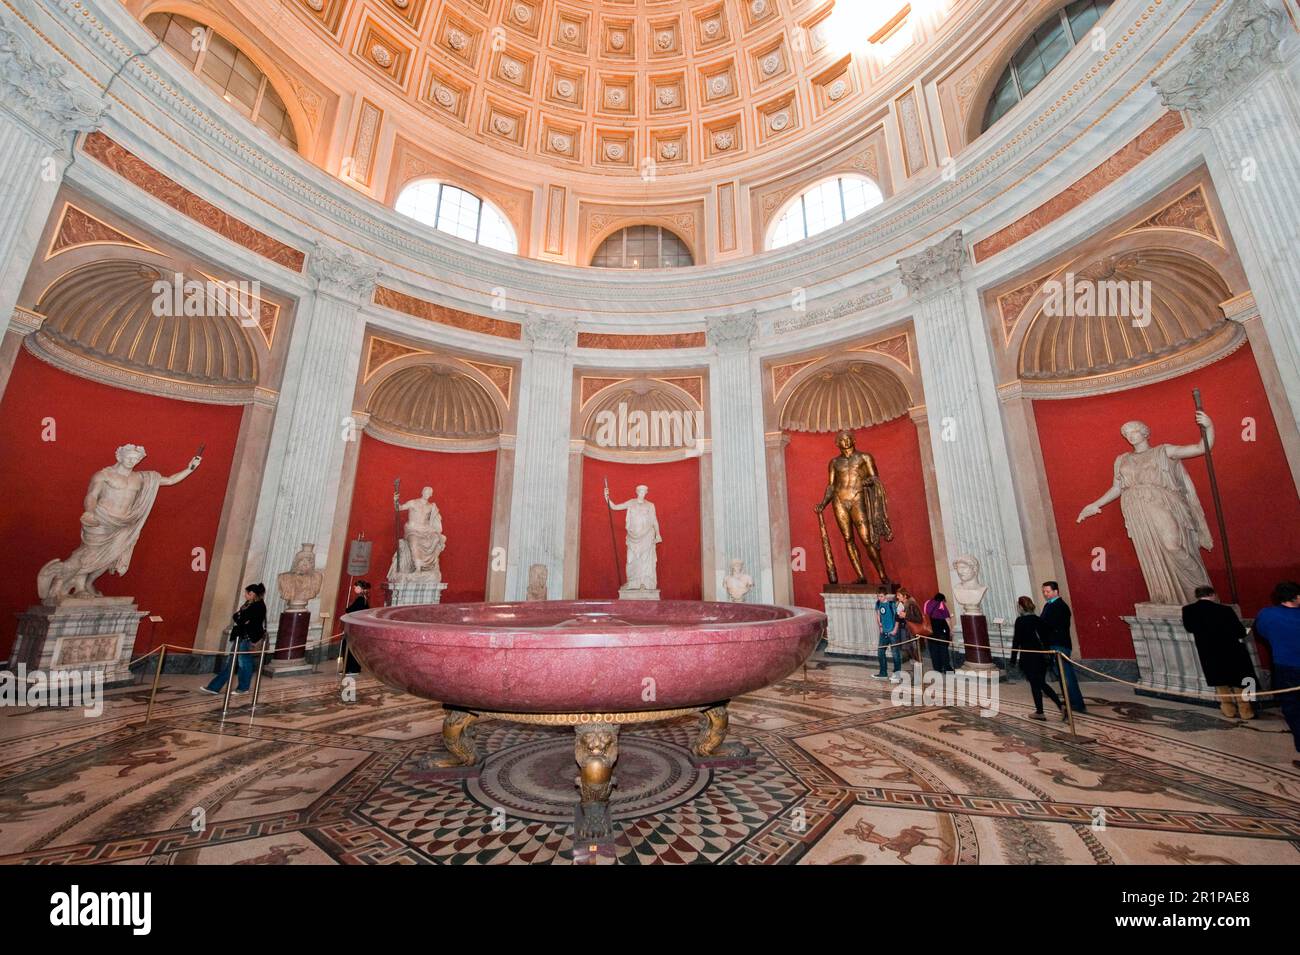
422 542
642 536
116 506
1162 512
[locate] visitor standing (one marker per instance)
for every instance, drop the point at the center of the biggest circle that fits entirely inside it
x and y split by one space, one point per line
1056 635
890 625
248 628
1027 645
1220 637
360 601
936 608
915 630
1279 627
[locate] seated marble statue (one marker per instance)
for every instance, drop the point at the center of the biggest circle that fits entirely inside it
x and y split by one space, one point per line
422 541
115 508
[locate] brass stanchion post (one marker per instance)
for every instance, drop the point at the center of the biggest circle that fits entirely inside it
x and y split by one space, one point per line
257 681
162 654
230 681
1065 692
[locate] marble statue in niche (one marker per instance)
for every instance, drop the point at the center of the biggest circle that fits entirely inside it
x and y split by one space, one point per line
115 508
970 589
738 584
1162 513
301 585
422 542
642 535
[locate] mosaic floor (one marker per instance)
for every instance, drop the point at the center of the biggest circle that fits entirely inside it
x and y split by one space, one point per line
843 777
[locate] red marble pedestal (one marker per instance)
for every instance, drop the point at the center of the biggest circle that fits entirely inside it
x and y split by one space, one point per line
975 642
291 639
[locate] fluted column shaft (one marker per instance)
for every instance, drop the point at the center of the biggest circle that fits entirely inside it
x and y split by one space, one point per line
40 115
1235 83
300 492
971 461
740 508
538 503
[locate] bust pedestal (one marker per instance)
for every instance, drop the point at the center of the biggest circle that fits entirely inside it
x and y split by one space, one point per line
975 643
290 657
79 633
852 625
1166 653
413 591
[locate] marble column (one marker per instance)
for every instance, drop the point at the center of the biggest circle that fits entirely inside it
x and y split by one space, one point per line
541 479
41 114
971 458
313 421
740 509
778 515
1237 82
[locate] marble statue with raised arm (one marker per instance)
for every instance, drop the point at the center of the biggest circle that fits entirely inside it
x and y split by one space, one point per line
642 536
1162 513
116 506
422 540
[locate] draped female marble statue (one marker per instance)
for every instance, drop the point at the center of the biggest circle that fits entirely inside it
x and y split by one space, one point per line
422 540
642 536
116 506
1161 511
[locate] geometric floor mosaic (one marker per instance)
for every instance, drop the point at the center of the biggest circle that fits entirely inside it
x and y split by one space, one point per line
843 777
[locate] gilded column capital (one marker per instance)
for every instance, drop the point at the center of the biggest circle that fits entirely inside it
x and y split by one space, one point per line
1242 45
934 269
341 273
35 89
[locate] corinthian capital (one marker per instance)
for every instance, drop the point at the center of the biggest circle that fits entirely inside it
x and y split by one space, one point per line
934 269
733 331
551 332
1241 45
342 273
34 89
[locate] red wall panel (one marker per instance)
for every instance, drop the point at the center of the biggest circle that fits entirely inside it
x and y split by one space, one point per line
909 557
675 493
43 483
1080 440
463 486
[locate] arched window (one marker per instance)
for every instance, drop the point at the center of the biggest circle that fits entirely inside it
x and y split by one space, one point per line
227 70
1046 47
457 212
822 207
642 247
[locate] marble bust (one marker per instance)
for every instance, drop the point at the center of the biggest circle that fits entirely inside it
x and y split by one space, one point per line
969 591
116 505
422 542
642 535
738 583
302 584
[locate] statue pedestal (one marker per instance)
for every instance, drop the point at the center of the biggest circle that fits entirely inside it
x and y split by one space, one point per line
1166 653
638 595
290 657
852 626
407 593
975 643
80 633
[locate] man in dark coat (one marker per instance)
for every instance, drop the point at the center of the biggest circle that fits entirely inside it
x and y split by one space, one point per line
1055 623
1224 659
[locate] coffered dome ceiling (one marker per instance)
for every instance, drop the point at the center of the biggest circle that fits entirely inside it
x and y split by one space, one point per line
612 86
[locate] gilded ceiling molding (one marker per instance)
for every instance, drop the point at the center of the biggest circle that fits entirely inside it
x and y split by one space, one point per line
669 417
434 401
781 374
381 352
1190 212
899 348
1138 150
590 386
600 340
77 229
693 385
403 439
432 312
143 176
501 376
848 394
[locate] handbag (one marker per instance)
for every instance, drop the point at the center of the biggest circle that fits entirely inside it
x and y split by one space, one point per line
922 629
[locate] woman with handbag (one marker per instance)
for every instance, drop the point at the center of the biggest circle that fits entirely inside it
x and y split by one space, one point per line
247 631
1028 645
918 625
936 608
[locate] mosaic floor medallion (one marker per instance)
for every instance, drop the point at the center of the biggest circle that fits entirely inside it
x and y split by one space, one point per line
535 779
